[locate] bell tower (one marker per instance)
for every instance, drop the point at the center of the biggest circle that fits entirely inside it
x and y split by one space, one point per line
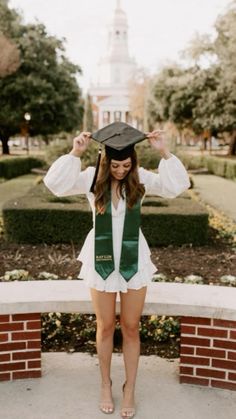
110 92
116 68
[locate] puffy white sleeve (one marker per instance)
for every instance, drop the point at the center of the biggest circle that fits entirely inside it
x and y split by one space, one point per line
171 180
65 177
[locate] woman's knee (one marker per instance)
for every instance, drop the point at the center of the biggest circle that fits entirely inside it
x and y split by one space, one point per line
130 330
105 329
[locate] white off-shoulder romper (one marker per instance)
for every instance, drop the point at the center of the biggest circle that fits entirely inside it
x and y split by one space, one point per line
65 178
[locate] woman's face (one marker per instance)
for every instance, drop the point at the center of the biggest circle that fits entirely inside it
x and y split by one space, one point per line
119 169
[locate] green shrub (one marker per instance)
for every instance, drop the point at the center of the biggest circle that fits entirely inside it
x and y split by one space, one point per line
147 157
34 218
230 170
219 166
17 166
215 165
89 158
189 161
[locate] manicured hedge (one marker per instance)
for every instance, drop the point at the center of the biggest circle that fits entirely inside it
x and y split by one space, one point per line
220 166
41 217
147 157
16 166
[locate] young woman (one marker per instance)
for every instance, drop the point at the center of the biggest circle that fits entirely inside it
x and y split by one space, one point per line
117 263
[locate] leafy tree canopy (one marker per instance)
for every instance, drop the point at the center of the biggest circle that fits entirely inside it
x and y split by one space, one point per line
44 85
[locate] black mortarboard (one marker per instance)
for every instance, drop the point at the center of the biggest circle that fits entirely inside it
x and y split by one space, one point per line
119 139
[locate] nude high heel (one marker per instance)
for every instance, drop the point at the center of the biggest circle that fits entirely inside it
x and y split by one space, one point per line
130 410
107 404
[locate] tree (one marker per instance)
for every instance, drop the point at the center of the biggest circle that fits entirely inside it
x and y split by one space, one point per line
138 97
216 108
171 100
202 97
44 85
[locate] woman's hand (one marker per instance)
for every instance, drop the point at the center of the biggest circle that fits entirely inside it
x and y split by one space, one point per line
158 141
80 143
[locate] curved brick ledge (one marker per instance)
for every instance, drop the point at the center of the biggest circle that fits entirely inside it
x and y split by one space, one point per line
208 325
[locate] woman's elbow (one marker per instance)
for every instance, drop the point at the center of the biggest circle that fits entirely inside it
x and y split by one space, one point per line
178 189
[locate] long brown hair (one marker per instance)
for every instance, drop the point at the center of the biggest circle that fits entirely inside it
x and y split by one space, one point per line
133 188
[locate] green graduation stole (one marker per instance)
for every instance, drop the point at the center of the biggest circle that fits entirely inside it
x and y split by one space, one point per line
104 257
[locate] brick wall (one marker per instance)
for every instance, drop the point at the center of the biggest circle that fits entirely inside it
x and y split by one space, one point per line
20 346
208 352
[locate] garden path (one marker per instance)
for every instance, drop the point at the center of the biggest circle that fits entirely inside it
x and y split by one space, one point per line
69 388
217 191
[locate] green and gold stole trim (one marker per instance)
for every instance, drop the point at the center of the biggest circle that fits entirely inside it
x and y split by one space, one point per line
104 257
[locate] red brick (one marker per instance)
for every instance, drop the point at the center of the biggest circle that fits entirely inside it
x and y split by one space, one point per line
5 376
10 346
188 329
12 366
4 357
3 337
217 343
206 331
194 360
26 374
224 323
186 370
34 344
26 355
187 340
232 334
213 353
232 376
26 316
195 320
4 327
193 380
4 318
34 364
210 373
26 335
220 363
187 350
231 355
34 325
223 384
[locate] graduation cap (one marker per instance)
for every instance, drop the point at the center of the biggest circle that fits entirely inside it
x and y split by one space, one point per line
119 139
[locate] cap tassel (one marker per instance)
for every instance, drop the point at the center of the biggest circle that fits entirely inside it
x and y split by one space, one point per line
96 170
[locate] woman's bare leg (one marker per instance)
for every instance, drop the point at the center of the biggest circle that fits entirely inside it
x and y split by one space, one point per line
104 307
132 304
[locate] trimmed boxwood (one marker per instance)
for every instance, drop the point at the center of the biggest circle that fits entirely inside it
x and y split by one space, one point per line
41 217
16 166
219 166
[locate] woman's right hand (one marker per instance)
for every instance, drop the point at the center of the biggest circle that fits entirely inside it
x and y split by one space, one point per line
80 143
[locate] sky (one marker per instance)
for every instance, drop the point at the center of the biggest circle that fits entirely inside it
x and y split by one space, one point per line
158 29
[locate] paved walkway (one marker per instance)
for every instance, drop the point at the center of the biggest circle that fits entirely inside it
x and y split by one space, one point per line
16 187
69 389
218 192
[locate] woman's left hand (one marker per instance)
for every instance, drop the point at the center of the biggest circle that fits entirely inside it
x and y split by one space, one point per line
157 140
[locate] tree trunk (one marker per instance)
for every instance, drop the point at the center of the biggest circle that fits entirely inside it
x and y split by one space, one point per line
5 146
232 145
